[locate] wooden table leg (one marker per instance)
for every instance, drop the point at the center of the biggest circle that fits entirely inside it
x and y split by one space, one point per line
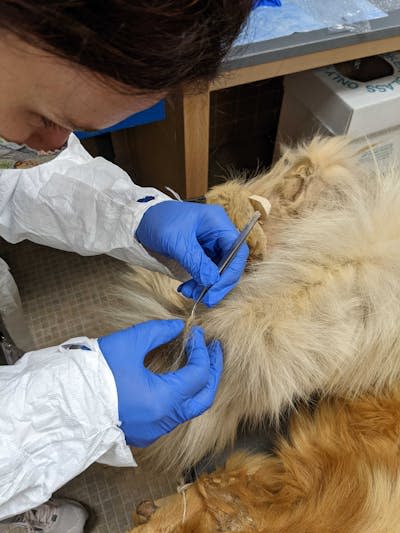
172 152
196 124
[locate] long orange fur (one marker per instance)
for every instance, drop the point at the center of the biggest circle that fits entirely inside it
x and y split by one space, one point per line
338 471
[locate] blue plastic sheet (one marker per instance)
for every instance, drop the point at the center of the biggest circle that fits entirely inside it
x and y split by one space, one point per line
343 14
269 23
299 16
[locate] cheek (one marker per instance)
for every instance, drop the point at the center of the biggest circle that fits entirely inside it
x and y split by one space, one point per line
13 127
47 138
18 127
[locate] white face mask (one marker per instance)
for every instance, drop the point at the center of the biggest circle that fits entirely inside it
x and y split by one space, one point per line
13 155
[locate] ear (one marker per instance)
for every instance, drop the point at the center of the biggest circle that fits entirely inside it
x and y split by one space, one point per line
292 189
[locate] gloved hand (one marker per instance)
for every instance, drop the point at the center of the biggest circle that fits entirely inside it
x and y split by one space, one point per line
198 236
149 404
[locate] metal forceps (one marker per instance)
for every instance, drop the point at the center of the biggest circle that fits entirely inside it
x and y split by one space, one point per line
226 261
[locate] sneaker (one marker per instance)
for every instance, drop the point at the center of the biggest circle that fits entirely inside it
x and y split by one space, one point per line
54 516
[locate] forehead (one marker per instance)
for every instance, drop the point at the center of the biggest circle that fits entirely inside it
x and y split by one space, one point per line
58 88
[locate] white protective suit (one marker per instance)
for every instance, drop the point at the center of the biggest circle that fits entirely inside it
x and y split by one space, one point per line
59 406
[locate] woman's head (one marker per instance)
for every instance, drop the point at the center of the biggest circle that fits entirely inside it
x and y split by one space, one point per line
136 50
153 45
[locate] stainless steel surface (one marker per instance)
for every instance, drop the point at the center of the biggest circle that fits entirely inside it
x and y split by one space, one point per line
300 44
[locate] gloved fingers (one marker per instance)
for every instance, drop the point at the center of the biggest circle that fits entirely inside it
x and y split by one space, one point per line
227 281
229 278
204 399
195 261
216 231
152 334
189 288
194 375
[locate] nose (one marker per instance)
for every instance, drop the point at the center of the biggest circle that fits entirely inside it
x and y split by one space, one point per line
47 138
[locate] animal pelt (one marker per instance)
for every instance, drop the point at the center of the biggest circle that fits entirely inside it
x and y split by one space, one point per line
338 471
319 313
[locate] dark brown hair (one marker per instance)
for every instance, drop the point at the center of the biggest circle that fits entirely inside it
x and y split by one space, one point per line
147 44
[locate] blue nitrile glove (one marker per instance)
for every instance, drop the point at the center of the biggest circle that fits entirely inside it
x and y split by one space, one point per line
149 404
197 236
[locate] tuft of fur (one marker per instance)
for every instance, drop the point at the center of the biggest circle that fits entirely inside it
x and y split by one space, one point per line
319 313
338 471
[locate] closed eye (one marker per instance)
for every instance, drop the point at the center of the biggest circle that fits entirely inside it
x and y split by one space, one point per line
47 123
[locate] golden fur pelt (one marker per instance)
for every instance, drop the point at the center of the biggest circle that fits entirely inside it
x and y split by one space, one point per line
338 471
317 310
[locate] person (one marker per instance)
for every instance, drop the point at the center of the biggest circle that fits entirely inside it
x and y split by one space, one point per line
66 66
